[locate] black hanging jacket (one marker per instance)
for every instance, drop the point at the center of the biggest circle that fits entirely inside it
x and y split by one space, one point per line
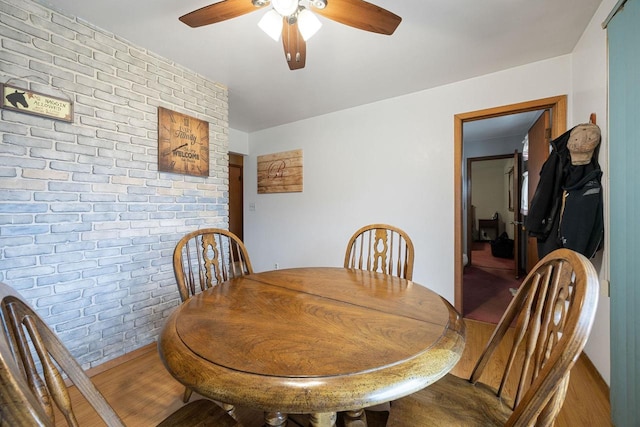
566 208
581 217
547 199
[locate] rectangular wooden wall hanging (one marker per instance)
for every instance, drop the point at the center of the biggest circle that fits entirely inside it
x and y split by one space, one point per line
280 172
37 104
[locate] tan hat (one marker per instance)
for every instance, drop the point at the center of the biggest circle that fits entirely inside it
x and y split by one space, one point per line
583 140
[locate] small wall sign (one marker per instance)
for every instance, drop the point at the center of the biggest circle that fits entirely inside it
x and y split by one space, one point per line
38 104
280 172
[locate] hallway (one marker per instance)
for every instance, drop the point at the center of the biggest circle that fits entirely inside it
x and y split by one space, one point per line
487 284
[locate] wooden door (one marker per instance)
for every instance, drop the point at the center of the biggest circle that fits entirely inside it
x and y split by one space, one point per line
236 195
539 138
516 182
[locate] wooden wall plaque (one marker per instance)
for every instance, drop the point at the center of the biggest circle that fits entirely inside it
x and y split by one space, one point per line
183 143
35 103
280 172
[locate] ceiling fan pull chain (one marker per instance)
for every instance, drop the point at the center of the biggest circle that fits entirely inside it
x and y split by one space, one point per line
288 42
298 49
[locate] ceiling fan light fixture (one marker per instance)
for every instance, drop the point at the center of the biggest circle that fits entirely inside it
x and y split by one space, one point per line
308 24
319 4
271 23
301 24
285 7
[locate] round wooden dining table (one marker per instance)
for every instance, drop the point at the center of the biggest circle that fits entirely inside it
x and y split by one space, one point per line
312 341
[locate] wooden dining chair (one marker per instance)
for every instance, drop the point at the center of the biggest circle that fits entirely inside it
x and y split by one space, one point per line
383 248
204 258
547 324
34 365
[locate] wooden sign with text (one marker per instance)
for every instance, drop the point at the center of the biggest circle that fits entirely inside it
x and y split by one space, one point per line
38 104
280 172
183 143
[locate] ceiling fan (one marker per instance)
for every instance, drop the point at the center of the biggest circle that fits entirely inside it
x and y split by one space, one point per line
293 20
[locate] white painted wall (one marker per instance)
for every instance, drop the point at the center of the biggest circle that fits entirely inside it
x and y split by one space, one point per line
589 75
392 161
238 142
490 147
488 193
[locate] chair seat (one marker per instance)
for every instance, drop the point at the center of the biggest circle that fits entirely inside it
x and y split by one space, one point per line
201 413
451 401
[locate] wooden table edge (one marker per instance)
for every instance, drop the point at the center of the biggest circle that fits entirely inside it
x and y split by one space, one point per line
313 394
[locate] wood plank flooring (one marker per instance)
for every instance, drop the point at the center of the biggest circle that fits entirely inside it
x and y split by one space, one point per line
143 393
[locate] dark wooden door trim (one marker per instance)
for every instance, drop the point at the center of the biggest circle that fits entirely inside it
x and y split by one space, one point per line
538 154
518 227
236 195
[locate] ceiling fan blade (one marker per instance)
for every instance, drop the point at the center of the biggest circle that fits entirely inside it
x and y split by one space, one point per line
362 15
217 12
295 48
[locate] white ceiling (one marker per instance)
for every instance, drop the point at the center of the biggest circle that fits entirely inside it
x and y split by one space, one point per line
513 127
437 42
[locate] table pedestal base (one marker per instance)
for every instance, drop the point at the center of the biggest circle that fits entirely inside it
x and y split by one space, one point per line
231 410
275 419
355 418
323 419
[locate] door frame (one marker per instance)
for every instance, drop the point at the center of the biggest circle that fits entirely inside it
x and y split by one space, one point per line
469 181
558 107
236 199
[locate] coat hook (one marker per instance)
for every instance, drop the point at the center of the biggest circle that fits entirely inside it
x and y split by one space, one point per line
592 118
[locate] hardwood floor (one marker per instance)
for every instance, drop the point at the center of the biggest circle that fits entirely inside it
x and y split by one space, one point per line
143 393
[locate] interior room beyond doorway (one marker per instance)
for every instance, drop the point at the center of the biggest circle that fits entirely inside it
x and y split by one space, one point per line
464 150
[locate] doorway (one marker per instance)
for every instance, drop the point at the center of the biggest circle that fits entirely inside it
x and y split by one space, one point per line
491 275
558 112
492 200
236 195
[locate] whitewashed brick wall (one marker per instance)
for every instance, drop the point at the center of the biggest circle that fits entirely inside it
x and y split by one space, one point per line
87 223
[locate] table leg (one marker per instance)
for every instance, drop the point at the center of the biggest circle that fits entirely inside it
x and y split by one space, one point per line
275 419
323 419
356 418
231 410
